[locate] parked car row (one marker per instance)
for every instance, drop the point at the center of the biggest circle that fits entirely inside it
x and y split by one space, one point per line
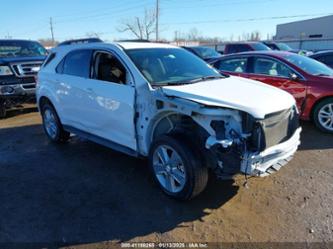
209 53
309 81
280 46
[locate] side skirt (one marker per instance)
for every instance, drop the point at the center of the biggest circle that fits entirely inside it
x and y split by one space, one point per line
102 141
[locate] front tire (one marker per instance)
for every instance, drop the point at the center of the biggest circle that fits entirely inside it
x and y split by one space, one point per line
177 169
323 115
52 126
2 108
3 112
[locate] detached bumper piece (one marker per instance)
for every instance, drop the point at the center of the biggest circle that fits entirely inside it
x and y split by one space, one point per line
271 159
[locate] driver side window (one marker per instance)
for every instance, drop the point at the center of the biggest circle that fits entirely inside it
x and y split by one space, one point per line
107 67
271 67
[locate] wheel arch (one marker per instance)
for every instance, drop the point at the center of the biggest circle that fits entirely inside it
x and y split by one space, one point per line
43 100
46 100
181 126
171 122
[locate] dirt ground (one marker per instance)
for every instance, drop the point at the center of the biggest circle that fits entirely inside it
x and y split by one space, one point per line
82 192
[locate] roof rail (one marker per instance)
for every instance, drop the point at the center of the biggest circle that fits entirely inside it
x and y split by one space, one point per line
134 40
79 41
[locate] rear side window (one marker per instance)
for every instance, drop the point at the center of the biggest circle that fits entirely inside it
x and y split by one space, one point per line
270 67
76 63
233 65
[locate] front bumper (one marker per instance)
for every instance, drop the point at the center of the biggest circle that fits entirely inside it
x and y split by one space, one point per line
17 90
271 159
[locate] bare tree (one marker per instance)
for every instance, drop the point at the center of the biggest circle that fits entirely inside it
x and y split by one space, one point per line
193 35
142 27
93 34
255 36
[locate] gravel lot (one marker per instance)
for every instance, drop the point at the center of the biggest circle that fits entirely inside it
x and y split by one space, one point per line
85 193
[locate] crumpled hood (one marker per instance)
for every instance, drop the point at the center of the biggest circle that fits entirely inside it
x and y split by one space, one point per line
253 97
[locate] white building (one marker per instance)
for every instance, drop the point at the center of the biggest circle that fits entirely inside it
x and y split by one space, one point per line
321 27
312 34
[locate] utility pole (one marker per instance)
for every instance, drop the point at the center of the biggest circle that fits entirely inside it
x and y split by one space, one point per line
51 28
157 17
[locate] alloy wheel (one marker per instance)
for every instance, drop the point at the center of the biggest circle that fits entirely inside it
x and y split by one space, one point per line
50 123
169 169
325 116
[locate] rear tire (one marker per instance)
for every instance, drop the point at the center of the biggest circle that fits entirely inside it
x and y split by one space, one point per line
323 115
52 126
176 168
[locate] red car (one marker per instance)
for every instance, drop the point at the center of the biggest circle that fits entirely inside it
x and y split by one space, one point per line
309 81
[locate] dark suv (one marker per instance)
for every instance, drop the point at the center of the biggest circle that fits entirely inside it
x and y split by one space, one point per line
20 60
206 53
239 47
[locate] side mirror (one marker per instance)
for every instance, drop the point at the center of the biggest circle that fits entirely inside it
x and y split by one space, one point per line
294 77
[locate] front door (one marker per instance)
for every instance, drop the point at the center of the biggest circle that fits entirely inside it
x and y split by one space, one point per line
111 100
276 73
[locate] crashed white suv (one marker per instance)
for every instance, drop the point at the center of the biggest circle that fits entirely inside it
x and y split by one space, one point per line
164 103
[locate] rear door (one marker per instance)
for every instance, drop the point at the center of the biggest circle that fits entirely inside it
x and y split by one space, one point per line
276 73
73 74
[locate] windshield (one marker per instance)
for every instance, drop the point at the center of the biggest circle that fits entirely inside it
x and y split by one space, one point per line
309 65
206 52
167 66
21 49
260 46
284 47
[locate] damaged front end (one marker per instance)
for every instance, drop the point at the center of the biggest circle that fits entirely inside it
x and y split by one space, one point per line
257 147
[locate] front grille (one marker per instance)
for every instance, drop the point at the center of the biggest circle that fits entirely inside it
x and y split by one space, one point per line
26 69
28 80
279 127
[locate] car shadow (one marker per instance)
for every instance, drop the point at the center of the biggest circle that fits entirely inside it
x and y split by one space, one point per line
81 192
313 139
20 111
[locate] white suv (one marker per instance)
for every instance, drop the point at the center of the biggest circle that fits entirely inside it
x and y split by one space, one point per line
164 103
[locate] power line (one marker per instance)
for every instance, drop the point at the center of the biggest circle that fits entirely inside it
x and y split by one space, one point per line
248 19
98 15
217 4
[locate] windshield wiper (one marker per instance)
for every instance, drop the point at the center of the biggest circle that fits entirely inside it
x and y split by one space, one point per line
205 78
185 82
